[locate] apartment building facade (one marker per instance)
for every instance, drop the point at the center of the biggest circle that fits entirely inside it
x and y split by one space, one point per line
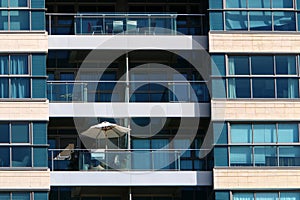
209 90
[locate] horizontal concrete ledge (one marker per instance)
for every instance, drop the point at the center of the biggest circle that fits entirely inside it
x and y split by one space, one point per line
129 109
144 178
126 42
256 179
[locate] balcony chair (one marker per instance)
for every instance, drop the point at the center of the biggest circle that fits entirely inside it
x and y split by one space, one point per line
66 153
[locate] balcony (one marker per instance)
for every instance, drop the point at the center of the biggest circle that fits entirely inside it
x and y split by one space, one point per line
139 91
127 160
131 24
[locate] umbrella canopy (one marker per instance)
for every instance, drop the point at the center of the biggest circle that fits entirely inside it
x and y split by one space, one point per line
105 130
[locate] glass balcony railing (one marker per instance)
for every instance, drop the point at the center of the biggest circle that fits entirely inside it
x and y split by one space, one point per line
125 160
132 24
138 91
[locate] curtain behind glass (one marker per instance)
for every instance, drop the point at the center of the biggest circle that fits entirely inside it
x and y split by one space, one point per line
161 158
3 88
289 196
19 88
243 196
18 64
267 196
231 88
236 20
259 4
3 64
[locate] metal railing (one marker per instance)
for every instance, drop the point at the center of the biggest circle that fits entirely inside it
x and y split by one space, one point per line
130 23
139 91
125 160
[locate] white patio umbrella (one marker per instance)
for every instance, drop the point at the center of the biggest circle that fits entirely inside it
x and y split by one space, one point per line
105 130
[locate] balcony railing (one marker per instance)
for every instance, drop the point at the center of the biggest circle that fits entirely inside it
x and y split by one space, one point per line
125 160
133 24
139 91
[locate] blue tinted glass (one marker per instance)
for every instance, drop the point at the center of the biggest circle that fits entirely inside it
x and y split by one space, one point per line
18 3
41 195
288 133
259 4
216 21
67 76
37 4
241 133
263 88
238 65
38 20
298 4
262 65
218 88
20 133
222 195
221 156
19 20
3 88
18 64
218 65
289 156
4 196
21 156
239 88
39 133
40 157
289 195
3 64
269 196
3 3
240 156
282 3
243 196
215 4
20 88
284 21
287 88
236 20
264 133
4 133
3 20
236 4
260 21
285 64
20 196
265 156
39 88
220 133
4 157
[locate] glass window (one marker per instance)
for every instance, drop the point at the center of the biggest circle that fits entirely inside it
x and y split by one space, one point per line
19 20
239 88
4 196
259 4
267 196
298 4
243 196
287 88
20 88
282 3
3 87
221 156
220 133
40 157
20 196
216 21
285 64
260 21
236 20
4 157
3 20
289 156
3 64
4 133
263 88
238 65
222 195
262 65
218 88
21 156
264 133
288 133
18 3
218 65
289 196
265 156
284 21
3 3
240 156
236 4
213 4
240 133
18 64
20 133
